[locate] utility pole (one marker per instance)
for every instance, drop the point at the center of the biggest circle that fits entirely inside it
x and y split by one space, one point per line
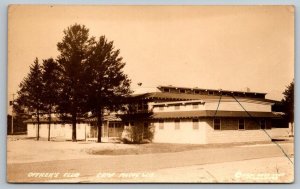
12 114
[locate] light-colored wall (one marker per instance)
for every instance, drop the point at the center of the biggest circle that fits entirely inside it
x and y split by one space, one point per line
57 130
171 108
235 106
206 134
224 105
230 136
186 133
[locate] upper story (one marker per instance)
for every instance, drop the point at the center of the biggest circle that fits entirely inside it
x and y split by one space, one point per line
175 99
212 104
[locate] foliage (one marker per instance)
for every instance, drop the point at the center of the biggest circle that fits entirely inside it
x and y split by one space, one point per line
51 79
73 49
29 95
137 134
288 101
107 85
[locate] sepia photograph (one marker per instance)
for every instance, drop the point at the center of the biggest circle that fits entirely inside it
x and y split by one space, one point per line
150 94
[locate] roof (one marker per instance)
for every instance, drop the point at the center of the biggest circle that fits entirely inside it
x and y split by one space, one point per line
111 117
185 96
43 120
211 113
201 89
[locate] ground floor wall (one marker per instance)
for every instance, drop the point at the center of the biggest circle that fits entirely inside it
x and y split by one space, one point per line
202 131
193 131
83 130
185 132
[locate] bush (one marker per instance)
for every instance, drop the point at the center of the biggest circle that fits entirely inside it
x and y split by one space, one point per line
137 135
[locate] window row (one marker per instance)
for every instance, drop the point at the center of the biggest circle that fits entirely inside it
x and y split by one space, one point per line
217 125
241 124
177 124
177 107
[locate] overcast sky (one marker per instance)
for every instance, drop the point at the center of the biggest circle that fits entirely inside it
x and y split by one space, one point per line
218 47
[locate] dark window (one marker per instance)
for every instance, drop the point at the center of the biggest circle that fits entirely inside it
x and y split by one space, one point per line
177 107
182 90
167 90
210 92
262 124
195 124
177 124
217 124
132 123
126 123
241 124
196 92
195 106
161 124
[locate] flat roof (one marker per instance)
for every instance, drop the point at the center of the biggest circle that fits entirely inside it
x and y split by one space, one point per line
202 89
186 96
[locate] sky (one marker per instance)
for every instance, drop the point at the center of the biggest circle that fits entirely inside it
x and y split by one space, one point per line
215 47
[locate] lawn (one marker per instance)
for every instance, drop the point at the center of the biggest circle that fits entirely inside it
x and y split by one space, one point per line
152 148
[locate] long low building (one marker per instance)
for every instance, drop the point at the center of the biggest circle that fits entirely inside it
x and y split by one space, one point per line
180 115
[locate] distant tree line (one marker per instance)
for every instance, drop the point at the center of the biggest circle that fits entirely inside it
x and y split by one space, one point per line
87 76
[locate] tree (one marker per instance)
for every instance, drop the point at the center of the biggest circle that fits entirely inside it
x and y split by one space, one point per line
30 95
288 104
51 86
107 85
73 49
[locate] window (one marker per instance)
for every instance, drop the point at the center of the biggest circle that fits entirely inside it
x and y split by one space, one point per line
241 124
182 90
167 90
161 124
262 124
195 124
217 124
210 92
177 124
161 108
126 123
177 107
196 92
132 123
195 106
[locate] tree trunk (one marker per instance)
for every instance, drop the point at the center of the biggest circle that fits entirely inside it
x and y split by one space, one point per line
49 129
74 120
292 129
99 125
38 125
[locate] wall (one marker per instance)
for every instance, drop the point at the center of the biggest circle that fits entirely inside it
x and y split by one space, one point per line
235 106
226 135
63 131
225 105
186 133
171 108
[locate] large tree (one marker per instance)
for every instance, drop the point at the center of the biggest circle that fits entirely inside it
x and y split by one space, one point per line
30 93
51 79
73 48
288 104
107 84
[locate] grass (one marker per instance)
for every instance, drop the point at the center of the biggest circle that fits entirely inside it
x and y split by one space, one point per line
152 148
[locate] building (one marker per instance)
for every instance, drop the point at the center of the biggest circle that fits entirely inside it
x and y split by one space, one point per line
185 115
